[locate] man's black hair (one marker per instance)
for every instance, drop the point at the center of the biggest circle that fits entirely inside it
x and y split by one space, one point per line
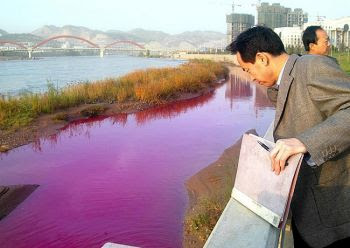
254 40
309 36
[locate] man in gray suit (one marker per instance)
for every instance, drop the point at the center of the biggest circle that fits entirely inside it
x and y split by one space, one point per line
312 117
316 41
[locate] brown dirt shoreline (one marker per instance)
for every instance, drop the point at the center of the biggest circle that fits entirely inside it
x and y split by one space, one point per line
209 191
47 125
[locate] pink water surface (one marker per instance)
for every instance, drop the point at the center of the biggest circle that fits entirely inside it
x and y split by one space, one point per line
121 179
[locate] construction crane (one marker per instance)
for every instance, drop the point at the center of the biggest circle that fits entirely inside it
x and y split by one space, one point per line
319 18
257 4
233 6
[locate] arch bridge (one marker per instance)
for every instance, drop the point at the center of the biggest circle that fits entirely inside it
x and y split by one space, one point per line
3 42
90 43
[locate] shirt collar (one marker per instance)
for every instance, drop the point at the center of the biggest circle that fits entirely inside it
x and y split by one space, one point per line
280 75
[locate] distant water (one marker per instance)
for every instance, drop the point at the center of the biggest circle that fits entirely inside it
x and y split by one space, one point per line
19 76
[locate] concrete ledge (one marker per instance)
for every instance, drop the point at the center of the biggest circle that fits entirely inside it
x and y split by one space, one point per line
240 227
216 57
112 245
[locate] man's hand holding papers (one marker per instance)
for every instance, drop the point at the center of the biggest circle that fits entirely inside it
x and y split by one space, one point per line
284 149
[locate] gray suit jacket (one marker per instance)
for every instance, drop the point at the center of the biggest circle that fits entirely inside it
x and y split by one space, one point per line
313 105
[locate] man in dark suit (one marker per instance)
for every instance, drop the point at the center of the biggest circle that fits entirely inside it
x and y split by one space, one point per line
312 117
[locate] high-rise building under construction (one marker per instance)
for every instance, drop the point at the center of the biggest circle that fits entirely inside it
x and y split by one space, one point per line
275 16
237 23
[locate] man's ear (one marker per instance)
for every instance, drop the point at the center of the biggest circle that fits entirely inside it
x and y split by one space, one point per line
262 58
311 46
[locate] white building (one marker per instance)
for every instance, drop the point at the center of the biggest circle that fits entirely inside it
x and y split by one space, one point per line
296 18
290 36
337 30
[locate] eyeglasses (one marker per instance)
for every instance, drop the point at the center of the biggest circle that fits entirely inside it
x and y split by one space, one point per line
326 42
246 70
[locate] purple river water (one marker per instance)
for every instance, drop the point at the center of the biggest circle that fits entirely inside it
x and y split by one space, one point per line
121 179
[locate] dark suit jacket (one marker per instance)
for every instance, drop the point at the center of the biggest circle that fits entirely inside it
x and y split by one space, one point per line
313 105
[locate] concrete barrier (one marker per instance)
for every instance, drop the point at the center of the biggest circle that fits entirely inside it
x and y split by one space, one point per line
215 57
240 227
113 245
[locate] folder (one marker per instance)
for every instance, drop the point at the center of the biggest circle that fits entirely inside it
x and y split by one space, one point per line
258 188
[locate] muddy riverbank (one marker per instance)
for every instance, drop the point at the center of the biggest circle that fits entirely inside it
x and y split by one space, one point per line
44 125
209 191
51 124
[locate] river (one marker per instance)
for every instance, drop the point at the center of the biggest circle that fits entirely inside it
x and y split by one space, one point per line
121 178
21 76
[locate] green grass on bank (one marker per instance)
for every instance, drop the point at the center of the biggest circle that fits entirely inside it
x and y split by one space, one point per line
204 216
344 60
342 57
150 86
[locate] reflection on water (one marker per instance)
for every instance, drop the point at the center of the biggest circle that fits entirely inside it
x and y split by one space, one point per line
166 111
121 179
239 90
261 100
172 110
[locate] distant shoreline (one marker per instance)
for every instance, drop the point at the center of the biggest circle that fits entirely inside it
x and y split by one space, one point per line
8 58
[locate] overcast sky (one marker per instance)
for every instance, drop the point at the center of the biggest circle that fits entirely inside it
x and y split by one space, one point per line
173 17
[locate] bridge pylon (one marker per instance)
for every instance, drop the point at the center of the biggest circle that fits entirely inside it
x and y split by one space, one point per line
102 52
30 50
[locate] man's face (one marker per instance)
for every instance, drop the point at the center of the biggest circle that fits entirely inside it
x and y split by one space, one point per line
260 71
322 45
